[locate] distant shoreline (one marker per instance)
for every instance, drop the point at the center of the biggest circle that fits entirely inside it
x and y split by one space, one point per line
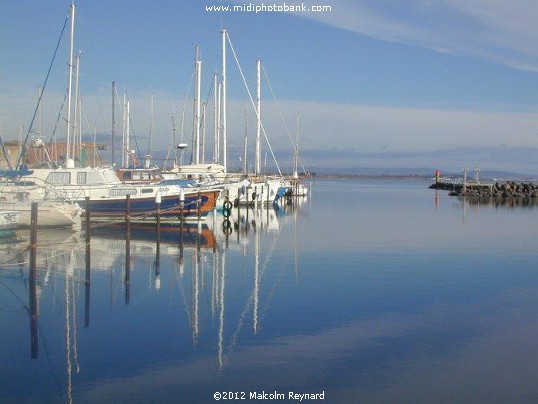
373 176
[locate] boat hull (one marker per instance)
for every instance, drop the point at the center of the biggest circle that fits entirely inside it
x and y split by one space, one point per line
49 214
145 209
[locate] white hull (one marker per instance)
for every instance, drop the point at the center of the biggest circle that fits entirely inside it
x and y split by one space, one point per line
254 194
49 214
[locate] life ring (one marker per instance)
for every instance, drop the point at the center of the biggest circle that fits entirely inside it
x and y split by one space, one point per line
227 227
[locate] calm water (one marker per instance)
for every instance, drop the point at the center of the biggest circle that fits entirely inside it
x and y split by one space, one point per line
369 291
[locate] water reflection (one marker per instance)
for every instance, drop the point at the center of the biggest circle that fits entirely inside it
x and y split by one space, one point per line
203 265
502 202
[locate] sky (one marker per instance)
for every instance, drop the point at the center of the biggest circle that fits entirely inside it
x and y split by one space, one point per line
367 76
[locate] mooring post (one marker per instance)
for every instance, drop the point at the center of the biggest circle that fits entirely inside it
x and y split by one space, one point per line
32 281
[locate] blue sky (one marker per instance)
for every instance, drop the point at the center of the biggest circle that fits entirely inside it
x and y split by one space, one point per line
370 76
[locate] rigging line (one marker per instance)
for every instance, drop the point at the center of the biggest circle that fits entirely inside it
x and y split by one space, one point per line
278 106
88 67
280 113
93 135
53 135
206 103
21 301
250 301
253 104
43 88
171 145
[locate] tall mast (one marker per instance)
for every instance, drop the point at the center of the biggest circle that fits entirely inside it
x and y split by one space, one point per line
215 117
127 132
150 126
223 102
75 131
258 117
113 133
203 132
296 154
40 119
219 119
70 80
245 146
197 105
126 129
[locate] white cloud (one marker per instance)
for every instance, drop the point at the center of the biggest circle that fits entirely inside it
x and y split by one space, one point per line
497 30
323 126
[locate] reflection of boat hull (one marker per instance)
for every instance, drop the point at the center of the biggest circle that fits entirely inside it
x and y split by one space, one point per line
144 209
8 221
189 235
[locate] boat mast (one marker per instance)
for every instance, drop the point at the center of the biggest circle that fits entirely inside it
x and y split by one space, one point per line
150 126
245 146
113 133
197 105
70 80
126 130
223 102
258 117
219 116
203 131
76 132
40 112
296 154
215 117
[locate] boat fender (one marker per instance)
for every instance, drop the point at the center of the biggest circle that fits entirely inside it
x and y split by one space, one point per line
227 205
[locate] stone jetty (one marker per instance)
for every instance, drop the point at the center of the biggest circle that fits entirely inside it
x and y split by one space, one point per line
509 189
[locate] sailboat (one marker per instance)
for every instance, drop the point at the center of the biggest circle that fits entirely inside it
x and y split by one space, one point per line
106 192
297 189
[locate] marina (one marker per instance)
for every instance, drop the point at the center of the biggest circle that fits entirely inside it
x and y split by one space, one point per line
164 238
372 312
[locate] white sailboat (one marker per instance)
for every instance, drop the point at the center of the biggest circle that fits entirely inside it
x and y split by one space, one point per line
106 192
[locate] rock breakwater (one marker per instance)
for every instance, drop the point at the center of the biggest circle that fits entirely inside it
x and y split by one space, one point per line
509 189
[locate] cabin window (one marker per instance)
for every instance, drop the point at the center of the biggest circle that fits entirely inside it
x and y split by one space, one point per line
141 176
122 191
82 178
59 178
147 190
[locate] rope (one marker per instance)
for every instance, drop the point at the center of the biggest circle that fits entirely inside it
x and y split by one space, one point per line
281 115
42 91
252 102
